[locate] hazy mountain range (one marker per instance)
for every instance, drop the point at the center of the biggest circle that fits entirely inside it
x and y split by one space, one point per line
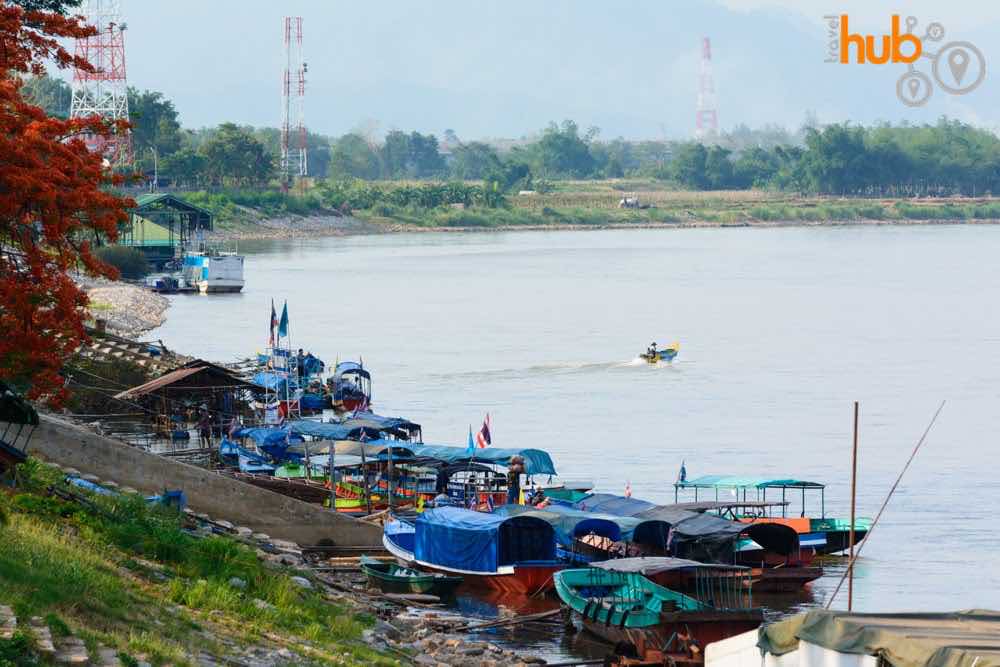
505 69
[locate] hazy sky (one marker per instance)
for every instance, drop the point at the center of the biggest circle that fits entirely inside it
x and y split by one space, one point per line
492 68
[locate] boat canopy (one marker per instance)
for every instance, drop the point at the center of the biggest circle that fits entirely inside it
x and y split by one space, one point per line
350 368
368 424
469 541
653 565
736 482
265 437
611 504
536 461
569 523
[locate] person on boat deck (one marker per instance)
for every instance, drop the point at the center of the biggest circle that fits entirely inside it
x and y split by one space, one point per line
513 485
301 361
652 349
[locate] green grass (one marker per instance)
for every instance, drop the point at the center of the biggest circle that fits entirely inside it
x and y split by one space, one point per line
113 577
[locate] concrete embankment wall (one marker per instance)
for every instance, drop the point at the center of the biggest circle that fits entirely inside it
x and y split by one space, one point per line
264 511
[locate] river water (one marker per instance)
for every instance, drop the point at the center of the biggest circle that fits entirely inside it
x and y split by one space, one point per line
781 330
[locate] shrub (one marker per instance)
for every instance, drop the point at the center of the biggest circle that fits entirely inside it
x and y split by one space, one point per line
131 263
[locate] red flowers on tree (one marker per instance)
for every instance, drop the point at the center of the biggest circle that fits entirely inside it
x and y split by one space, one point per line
52 206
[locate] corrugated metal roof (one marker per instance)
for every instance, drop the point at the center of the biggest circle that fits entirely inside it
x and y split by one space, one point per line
150 198
175 376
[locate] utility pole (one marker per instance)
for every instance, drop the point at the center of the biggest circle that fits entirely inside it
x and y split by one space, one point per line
854 489
294 159
706 118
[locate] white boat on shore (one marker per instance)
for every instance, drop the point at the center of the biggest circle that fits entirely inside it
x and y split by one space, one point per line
213 272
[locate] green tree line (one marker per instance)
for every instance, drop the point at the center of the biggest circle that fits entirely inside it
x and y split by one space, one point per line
892 160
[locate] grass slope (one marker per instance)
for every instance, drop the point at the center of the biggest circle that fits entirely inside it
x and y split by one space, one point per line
126 576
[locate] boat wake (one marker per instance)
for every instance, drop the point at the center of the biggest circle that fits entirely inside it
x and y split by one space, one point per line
565 368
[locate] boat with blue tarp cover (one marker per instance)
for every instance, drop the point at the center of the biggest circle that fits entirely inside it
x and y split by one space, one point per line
618 602
576 531
248 461
514 554
824 535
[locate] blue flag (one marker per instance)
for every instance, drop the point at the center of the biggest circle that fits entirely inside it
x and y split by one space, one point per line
283 324
470 450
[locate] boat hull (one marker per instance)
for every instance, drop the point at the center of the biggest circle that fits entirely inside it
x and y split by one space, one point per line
682 630
519 579
219 287
783 579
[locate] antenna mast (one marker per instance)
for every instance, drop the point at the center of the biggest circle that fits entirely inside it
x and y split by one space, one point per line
706 120
294 162
104 92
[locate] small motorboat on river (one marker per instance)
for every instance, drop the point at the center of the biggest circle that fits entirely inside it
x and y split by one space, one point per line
654 356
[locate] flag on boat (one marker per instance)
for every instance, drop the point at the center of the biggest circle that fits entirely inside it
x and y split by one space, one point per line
628 489
472 443
483 439
273 325
682 475
283 324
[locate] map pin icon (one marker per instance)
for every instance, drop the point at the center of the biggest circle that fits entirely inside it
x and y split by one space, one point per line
914 86
958 63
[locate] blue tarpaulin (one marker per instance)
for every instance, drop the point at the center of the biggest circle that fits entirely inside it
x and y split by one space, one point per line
275 382
468 541
321 430
536 461
267 436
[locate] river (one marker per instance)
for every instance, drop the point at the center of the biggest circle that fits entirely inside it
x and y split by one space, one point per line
781 329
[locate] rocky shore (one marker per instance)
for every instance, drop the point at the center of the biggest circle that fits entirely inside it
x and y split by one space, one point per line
129 310
290 227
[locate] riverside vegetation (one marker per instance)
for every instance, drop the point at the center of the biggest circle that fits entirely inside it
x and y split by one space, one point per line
125 577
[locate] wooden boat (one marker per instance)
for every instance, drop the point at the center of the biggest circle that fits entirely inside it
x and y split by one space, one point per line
665 354
822 534
513 554
350 387
393 578
643 619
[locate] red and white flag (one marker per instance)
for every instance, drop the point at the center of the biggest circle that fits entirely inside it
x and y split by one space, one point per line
483 438
628 490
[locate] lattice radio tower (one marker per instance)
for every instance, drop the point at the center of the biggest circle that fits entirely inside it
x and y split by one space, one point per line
103 92
706 119
293 92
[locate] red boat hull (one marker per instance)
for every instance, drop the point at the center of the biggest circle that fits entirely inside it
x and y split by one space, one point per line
526 580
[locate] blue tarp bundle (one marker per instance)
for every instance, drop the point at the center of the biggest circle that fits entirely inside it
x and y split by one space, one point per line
312 365
275 382
313 402
263 435
612 504
400 533
321 430
469 541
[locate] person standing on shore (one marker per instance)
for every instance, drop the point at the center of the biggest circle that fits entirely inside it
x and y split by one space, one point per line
205 429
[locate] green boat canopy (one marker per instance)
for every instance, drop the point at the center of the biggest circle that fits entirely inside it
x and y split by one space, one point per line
736 482
536 461
956 639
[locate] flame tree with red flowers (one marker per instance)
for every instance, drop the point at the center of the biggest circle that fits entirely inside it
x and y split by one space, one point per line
55 203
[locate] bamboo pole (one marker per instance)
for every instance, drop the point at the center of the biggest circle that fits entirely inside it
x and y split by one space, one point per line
854 487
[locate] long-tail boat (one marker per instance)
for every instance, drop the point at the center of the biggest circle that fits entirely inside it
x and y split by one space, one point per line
825 535
647 621
393 578
514 554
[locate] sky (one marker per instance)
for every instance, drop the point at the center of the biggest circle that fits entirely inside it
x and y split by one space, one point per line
493 68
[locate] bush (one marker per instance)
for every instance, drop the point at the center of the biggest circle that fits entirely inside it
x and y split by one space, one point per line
131 263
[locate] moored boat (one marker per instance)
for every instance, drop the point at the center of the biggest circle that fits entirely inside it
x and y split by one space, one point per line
650 622
351 386
514 554
822 534
393 578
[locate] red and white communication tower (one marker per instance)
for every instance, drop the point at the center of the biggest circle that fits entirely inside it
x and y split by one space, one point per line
706 119
294 162
104 92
